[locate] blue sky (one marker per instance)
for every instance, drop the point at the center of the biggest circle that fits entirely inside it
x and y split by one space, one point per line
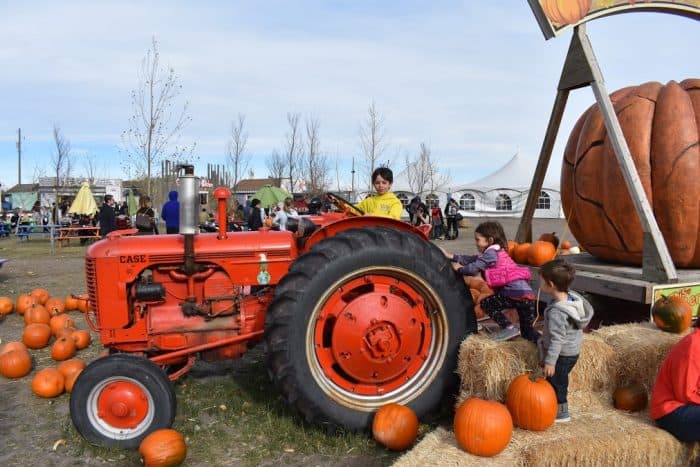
474 80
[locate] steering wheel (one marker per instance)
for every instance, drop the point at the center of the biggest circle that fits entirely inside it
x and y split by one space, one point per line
344 205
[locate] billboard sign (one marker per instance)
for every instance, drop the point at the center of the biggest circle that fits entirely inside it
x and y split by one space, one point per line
555 16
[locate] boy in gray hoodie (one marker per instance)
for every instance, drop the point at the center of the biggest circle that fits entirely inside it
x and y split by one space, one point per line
564 320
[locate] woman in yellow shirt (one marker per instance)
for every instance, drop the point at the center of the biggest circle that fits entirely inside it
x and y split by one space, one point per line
384 203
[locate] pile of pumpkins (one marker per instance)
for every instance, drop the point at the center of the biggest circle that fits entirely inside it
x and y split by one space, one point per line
546 248
46 318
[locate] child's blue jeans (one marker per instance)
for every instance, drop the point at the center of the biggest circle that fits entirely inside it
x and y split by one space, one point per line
560 380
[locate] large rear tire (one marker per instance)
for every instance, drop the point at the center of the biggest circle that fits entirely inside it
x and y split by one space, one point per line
119 399
368 317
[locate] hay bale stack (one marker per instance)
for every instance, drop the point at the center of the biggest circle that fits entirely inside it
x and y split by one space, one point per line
487 367
641 347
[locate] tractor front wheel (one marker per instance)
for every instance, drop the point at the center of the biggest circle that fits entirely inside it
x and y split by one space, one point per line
368 317
119 399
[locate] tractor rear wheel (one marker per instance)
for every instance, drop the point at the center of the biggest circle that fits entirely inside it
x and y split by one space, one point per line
119 399
368 317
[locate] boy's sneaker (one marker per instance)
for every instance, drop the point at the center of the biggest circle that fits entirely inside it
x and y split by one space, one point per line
506 334
563 414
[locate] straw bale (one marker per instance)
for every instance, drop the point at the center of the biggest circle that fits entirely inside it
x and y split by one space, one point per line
641 348
487 367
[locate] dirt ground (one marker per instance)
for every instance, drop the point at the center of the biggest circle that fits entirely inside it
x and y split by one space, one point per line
30 427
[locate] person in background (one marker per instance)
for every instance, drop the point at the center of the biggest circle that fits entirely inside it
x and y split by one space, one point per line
203 216
171 214
255 219
413 208
675 399
285 213
421 216
565 318
438 222
451 211
146 217
383 203
107 217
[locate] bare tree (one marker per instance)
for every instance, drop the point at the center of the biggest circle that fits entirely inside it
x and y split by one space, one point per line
373 141
157 122
422 172
236 147
60 162
276 165
293 149
90 166
315 165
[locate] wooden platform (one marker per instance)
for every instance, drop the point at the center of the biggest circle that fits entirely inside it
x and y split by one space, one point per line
615 280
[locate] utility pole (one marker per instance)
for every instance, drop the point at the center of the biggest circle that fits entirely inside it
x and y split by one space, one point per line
19 156
352 183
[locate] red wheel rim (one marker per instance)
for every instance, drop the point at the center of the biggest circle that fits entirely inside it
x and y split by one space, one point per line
376 336
122 404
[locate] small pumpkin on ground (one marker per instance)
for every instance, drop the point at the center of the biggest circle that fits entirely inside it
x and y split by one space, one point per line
395 426
165 447
81 338
36 335
24 301
36 314
71 303
631 398
40 295
55 306
48 383
532 402
15 363
7 305
13 346
672 314
63 349
70 370
483 427
83 302
59 322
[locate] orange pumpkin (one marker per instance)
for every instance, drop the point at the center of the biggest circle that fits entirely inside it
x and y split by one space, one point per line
70 380
81 338
7 305
541 252
64 332
61 321
15 363
36 314
13 346
565 244
163 447
511 247
24 301
63 349
566 11
55 306
532 402
551 238
48 382
71 366
36 335
521 252
83 303
483 427
479 290
40 295
660 124
395 427
672 313
631 398
71 303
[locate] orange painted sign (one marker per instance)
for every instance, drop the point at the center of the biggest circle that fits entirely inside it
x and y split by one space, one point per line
555 16
690 292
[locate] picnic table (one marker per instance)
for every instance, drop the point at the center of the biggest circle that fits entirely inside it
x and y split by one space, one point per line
78 232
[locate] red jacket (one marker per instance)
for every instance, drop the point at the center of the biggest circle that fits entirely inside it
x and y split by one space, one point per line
678 381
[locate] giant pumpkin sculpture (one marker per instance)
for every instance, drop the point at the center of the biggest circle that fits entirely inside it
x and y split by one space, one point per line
566 11
660 124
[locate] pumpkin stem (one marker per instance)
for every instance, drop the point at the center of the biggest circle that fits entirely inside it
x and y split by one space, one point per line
537 373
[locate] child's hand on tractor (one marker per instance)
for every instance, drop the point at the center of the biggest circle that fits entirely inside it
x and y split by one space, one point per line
447 254
456 266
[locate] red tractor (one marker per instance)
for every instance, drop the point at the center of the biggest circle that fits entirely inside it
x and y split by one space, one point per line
355 312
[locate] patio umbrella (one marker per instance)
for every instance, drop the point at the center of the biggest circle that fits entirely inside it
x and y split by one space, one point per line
84 202
131 202
270 195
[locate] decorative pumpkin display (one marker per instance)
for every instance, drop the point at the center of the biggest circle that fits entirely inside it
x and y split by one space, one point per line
13 346
48 382
71 303
631 398
521 252
165 447
81 338
36 314
60 322
551 238
395 427
40 295
672 313
36 336
24 301
532 402
55 306
63 349
660 124
565 244
541 252
482 427
566 11
7 305
15 363
511 247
